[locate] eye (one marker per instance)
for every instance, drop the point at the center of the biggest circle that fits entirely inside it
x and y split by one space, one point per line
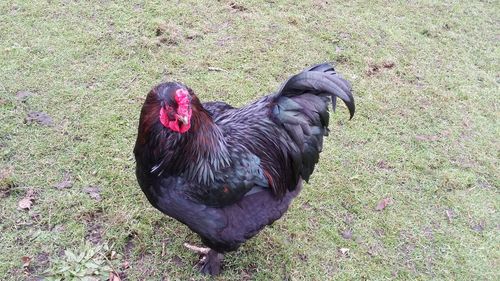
170 112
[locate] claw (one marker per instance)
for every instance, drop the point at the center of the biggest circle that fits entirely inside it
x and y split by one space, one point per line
210 260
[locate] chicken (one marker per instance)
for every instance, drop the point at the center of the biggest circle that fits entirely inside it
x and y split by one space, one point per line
227 172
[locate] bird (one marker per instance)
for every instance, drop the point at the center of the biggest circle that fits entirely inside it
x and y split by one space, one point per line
228 172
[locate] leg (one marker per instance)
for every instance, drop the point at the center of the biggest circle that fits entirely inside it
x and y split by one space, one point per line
196 249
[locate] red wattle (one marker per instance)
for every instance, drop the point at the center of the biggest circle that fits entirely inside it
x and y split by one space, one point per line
174 124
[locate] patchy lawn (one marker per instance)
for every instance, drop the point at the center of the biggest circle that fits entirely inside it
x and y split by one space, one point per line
407 190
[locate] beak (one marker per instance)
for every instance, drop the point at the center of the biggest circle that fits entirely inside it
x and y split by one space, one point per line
183 119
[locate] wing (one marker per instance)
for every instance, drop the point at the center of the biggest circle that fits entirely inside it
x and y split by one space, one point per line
231 183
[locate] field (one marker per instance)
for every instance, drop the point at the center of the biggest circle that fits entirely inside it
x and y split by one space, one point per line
406 190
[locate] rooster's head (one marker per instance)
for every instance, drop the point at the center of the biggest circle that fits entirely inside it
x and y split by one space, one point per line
175 110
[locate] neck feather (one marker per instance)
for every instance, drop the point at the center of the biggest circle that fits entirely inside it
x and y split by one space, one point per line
196 154
206 145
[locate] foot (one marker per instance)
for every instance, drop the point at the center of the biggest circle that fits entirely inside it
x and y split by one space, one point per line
210 260
210 264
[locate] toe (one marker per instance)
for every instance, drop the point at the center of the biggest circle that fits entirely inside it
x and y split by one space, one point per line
212 263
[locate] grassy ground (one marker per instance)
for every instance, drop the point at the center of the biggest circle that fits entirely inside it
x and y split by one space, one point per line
425 135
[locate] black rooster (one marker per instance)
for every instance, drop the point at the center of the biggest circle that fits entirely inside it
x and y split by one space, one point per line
227 172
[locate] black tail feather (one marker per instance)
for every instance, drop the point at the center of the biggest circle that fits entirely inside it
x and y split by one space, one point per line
320 80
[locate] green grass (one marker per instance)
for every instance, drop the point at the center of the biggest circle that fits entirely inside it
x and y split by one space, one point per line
426 134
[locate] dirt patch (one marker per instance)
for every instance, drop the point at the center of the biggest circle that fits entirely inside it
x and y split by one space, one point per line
237 7
478 226
167 34
94 233
129 246
384 165
346 234
407 249
6 183
32 268
177 261
307 206
144 265
23 96
483 183
331 268
42 262
377 68
38 117
303 257
66 182
58 228
94 229
375 250
127 252
94 192
349 218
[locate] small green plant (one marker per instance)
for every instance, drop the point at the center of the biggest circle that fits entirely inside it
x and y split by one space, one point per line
88 263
